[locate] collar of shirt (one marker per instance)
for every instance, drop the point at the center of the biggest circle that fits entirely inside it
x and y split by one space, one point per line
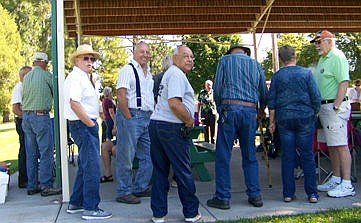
137 65
78 70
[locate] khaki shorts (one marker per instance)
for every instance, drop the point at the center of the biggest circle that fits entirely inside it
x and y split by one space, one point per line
334 131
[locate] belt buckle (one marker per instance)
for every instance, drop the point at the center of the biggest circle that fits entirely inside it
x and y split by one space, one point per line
40 113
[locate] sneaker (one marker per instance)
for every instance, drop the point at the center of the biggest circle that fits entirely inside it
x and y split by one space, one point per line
313 198
342 191
174 184
72 209
329 185
194 219
288 199
256 201
158 220
49 191
128 199
96 214
217 203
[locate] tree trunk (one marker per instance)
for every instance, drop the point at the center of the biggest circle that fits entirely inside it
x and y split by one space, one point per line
6 116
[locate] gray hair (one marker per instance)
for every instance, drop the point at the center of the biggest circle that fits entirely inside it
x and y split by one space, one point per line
286 54
209 82
167 62
107 91
24 70
176 50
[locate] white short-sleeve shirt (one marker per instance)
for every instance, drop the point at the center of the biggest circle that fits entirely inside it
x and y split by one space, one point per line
77 86
126 79
16 94
174 84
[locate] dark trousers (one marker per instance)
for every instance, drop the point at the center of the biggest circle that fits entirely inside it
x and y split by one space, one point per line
209 122
23 177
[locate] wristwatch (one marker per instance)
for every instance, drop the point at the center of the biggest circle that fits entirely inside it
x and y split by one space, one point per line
335 107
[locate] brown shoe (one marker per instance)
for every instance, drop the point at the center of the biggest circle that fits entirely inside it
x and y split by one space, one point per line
128 199
145 193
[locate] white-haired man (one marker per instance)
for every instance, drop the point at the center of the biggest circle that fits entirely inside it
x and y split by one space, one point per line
332 77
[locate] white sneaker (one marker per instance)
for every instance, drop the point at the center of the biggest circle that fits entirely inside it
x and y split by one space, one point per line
158 220
194 219
342 191
329 185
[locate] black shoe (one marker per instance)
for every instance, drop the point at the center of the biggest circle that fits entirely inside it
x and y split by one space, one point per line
256 201
34 191
216 203
145 193
49 191
22 185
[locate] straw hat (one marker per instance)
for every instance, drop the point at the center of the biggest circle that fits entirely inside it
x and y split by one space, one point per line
82 50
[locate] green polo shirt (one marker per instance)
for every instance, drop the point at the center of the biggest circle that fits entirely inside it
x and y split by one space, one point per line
37 90
331 70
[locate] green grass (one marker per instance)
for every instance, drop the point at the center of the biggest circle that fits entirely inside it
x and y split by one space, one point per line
9 145
351 215
9 142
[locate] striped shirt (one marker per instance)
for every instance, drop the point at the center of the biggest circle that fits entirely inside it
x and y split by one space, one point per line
240 77
37 90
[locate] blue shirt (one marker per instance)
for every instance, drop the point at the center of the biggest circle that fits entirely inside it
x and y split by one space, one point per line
294 93
240 77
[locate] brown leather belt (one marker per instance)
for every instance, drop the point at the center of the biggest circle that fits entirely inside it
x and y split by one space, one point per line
38 112
239 102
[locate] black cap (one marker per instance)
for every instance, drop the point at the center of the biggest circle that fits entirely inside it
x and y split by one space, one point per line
234 46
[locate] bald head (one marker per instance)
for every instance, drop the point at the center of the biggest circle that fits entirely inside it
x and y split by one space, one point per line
183 58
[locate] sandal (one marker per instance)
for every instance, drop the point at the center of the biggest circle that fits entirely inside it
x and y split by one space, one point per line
104 179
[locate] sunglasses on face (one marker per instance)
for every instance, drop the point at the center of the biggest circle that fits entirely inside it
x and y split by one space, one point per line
92 59
357 85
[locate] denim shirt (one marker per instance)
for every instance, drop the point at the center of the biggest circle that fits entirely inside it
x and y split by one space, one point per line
294 93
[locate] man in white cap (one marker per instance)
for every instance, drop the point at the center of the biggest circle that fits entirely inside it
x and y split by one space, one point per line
81 108
37 99
332 77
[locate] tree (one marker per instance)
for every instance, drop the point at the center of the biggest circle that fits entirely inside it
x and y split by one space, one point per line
33 18
306 53
10 60
350 45
207 50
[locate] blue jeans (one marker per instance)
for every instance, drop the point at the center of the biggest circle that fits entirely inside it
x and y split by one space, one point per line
86 185
168 147
236 121
39 141
109 123
133 140
297 133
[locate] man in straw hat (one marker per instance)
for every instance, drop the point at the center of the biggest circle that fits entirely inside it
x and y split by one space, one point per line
239 85
332 77
135 105
37 101
81 108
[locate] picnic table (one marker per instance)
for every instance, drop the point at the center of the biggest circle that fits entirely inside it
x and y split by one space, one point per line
201 152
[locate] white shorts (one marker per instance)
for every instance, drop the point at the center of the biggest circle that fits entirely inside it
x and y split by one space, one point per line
334 131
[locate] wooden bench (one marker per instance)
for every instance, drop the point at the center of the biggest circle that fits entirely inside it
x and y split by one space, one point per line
201 152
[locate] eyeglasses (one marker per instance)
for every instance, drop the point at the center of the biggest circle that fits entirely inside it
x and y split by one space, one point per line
92 59
357 85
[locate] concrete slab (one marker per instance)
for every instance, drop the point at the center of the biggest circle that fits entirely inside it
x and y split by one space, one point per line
19 207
